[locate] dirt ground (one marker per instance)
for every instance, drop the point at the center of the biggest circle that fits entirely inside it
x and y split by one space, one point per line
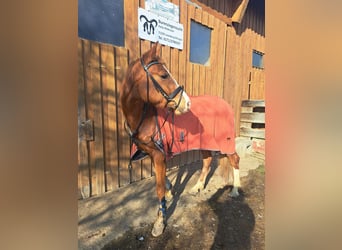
220 222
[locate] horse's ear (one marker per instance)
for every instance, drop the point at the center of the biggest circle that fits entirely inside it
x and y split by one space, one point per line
155 51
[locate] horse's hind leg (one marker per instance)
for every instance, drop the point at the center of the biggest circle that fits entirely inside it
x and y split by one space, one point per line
234 160
207 158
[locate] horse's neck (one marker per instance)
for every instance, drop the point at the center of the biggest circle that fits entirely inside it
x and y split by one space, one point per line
134 112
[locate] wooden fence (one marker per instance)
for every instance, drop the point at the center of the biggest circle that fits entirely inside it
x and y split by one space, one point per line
252 119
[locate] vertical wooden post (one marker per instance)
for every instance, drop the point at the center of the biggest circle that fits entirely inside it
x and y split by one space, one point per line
83 163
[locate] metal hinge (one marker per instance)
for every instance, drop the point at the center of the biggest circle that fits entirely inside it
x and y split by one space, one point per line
86 130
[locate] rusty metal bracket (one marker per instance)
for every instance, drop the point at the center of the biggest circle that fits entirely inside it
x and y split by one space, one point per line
86 130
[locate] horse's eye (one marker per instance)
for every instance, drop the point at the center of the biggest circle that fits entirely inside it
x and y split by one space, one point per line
165 76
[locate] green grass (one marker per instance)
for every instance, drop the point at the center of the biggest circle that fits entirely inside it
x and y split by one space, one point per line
261 169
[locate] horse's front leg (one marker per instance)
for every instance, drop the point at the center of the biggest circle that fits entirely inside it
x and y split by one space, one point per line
158 160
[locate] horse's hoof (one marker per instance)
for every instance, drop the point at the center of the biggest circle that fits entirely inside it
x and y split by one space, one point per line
158 227
234 193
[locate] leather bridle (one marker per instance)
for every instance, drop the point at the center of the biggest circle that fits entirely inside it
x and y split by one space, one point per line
169 98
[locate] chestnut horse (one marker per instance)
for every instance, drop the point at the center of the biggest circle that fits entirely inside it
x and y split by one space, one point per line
149 86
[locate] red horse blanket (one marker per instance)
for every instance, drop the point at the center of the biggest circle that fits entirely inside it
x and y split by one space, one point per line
209 125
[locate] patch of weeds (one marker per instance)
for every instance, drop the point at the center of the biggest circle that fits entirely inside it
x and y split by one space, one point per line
261 169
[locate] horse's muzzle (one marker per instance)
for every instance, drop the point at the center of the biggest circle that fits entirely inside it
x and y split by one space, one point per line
184 105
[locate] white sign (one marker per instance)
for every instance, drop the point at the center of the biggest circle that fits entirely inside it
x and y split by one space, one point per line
156 28
163 8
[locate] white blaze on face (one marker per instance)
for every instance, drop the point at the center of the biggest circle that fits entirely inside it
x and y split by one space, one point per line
185 103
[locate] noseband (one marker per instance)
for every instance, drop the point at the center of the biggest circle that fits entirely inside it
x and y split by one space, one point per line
157 86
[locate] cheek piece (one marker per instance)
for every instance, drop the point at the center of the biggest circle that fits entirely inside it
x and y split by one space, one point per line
169 98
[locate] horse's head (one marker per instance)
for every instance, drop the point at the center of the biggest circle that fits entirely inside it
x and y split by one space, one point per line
155 83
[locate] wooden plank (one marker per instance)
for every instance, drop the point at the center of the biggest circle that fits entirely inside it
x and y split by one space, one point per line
253 117
234 60
212 8
165 54
198 15
197 155
215 56
190 157
121 63
253 103
205 18
196 79
183 159
109 116
240 11
131 29
245 124
174 64
183 54
258 86
196 84
94 112
98 120
246 109
136 171
221 55
83 163
207 81
201 80
258 155
144 46
87 83
199 70
229 86
250 132
209 78
189 70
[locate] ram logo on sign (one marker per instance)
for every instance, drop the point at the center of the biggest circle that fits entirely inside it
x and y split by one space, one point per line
156 28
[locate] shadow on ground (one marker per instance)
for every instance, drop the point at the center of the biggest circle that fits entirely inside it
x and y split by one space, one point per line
220 222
